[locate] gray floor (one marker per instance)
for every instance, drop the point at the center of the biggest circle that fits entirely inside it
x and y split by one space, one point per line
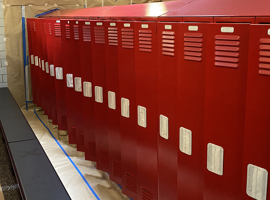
8 184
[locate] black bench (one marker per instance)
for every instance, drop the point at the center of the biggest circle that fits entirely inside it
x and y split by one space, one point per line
34 172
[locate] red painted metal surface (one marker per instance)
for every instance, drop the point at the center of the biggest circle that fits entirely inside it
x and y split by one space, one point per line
71 65
146 96
190 108
101 97
85 52
60 82
225 96
40 93
46 83
167 44
32 52
257 126
126 67
50 78
114 102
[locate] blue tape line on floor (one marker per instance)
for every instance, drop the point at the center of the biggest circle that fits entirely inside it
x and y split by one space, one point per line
89 186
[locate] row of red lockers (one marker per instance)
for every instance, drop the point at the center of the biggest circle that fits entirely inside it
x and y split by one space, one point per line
170 110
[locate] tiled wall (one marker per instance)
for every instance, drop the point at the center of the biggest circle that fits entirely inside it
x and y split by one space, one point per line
3 67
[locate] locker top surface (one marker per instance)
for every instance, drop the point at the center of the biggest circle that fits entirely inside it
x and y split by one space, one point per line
136 10
229 8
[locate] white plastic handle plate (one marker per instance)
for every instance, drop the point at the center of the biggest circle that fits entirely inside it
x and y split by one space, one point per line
57 21
59 73
227 29
52 70
69 78
193 28
168 27
215 157
268 31
111 100
185 141
39 62
87 89
47 67
43 66
141 116
36 61
126 24
257 181
144 25
164 126
78 84
99 94
32 59
112 24
87 23
125 107
99 23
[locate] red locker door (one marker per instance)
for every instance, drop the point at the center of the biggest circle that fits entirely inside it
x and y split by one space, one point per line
88 97
128 119
146 103
31 45
73 89
40 55
257 138
113 107
167 64
60 80
190 109
225 96
45 73
50 76
101 99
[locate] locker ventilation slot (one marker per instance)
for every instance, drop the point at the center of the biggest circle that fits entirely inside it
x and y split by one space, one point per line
104 158
145 40
168 43
99 35
130 182
112 36
67 28
57 30
146 195
193 46
92 149
116 168
76 32
264 66
64 121
34 26
227 51
127 38
86 33
73 134
50 29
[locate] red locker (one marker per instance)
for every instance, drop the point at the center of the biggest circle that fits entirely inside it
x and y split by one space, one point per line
225 96
167 65
40 90
73 89
126 67
49 68
85 51
257 139
146 105
32 51
45 73
60 80
114 102
190 109
101 98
